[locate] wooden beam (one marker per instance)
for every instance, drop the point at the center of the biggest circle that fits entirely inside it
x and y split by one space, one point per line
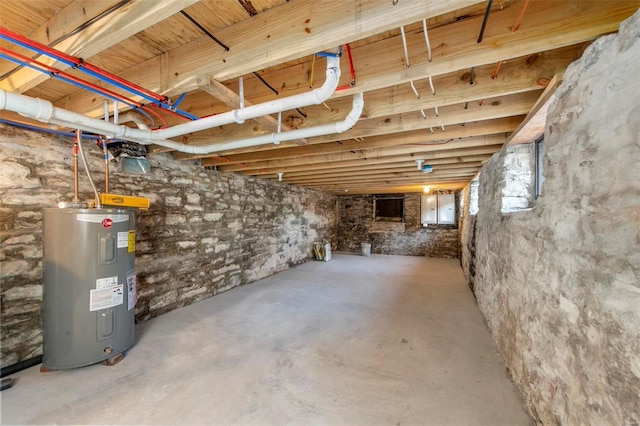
378 168
232 100
456 185
477 128
121 24
532 127
381 174
547 25
449 155
415 178
416 181
494 108
63 22
414 150
311 26
519 75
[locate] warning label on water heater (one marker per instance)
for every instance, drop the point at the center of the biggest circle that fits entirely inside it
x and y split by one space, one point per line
123 239
106 297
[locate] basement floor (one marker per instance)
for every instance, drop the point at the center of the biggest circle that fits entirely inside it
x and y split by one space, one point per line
390 340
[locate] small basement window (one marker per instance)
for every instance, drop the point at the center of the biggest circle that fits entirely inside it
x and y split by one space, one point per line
388 209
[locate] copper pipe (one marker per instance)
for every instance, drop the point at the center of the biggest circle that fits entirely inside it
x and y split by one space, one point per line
515 27
517 24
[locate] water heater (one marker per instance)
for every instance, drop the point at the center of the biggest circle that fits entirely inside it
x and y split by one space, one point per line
89 285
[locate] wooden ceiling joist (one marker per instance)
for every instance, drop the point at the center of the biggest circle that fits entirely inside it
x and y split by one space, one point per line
121 24
478 128
471 113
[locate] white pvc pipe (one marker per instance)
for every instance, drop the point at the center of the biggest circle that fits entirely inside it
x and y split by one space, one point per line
275 138
19 103
316 96
44 111
132 117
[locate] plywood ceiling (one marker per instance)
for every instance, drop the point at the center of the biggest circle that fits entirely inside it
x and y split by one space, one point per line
473 111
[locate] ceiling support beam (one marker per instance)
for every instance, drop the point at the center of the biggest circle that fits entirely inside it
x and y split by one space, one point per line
232 100
384 168
414 150
494 108
122 24
549 25
407 159
477 128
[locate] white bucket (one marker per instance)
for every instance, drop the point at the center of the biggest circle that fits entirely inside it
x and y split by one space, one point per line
366 249
327 252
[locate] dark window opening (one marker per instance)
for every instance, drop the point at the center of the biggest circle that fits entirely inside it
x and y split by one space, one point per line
389 209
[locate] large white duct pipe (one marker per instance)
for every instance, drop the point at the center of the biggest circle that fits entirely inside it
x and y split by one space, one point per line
44 111
276 138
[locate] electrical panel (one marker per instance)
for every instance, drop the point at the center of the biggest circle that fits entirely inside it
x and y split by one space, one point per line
438 209
429 209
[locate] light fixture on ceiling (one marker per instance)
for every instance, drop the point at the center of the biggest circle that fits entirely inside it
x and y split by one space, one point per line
419 164
280 176
426 189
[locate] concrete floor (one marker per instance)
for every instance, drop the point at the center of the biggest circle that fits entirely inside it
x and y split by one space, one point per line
389 340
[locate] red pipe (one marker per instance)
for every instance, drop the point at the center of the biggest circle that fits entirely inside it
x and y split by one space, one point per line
63 74
77 62
66 76
352 71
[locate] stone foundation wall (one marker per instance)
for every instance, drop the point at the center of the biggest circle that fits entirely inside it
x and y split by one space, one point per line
559 284
206 231
356 226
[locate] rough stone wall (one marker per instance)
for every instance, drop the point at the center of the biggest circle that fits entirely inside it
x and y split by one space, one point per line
205 232
468 248
519 172
559 284
356 226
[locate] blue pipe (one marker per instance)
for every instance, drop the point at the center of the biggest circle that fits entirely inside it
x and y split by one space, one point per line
75 83
44 130
182 113
328 55
26 46
180 98
59 77
103 78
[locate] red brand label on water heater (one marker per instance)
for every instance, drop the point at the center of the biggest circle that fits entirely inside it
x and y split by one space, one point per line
106 223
